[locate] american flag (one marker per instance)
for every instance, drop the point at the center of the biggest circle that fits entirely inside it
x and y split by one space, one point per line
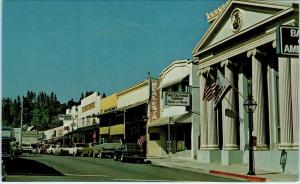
141 140
209 89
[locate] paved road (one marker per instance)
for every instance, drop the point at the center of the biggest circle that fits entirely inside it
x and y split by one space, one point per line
67 168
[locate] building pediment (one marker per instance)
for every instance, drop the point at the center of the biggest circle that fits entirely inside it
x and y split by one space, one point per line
237 17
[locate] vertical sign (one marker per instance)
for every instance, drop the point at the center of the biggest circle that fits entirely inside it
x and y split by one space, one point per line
154 102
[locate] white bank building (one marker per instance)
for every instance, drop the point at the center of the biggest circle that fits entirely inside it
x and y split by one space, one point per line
241 43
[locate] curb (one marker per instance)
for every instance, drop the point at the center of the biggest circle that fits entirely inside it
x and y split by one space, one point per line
214 172
246 177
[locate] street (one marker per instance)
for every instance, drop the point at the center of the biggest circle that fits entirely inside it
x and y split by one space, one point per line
66 168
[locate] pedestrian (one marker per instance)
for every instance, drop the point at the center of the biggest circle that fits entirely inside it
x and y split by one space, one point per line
283 159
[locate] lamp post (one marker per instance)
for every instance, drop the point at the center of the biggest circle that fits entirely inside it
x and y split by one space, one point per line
250 106
169 148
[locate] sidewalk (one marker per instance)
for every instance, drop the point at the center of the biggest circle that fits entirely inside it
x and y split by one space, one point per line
237 171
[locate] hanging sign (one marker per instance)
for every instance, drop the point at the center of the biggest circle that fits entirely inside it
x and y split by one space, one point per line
177 99
287 41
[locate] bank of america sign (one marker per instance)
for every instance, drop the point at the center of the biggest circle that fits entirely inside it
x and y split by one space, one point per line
287 41
177 99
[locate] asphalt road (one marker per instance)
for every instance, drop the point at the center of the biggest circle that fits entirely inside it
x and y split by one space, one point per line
68 168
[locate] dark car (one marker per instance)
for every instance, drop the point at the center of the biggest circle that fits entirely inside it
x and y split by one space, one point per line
129 151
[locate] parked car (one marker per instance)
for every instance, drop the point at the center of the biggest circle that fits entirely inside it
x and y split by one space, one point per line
88 150
27 148
51 149
76 149
4 174
106 147
129 151
62 150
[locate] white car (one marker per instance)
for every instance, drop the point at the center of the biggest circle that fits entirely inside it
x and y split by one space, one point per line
51 149
76 149
27 148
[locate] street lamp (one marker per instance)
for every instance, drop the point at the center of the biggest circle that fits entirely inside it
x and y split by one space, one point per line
250 106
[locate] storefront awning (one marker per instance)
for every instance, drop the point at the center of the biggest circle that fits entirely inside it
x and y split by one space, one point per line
179 119
83 129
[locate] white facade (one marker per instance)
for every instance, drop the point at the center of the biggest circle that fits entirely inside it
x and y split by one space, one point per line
89 107
173 75
70 121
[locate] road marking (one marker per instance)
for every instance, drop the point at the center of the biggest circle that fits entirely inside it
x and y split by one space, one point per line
91 175
137 180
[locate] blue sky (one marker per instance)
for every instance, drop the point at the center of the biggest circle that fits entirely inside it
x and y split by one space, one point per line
70 47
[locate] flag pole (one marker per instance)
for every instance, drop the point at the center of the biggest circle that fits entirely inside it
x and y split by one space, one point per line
236 113
231 85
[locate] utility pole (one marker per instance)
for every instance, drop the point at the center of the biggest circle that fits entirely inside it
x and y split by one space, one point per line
20 144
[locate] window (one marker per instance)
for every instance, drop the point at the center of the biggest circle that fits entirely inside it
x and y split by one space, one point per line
154 136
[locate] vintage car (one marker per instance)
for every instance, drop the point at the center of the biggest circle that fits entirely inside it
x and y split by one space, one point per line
129 151
27 148
76 149
4 174
88 150
62 150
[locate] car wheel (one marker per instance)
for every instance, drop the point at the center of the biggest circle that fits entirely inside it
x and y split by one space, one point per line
115 157
122 158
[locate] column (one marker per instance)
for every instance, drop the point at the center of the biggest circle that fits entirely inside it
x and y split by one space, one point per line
295 99
203 111
285 103
229 111
259 123
211 126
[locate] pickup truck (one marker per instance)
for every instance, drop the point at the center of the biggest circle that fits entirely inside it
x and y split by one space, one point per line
76 149
129 151
106 147
9 147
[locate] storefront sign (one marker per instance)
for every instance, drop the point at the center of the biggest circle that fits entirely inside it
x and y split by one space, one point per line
177 99
287 41
154 102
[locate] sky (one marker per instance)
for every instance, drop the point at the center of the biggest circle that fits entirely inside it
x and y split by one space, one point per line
72 46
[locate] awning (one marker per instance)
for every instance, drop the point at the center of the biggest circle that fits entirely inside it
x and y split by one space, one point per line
83 129
104 130
179 119
124 108
117 129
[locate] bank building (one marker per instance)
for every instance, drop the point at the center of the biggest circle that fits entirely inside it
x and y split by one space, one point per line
241 44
